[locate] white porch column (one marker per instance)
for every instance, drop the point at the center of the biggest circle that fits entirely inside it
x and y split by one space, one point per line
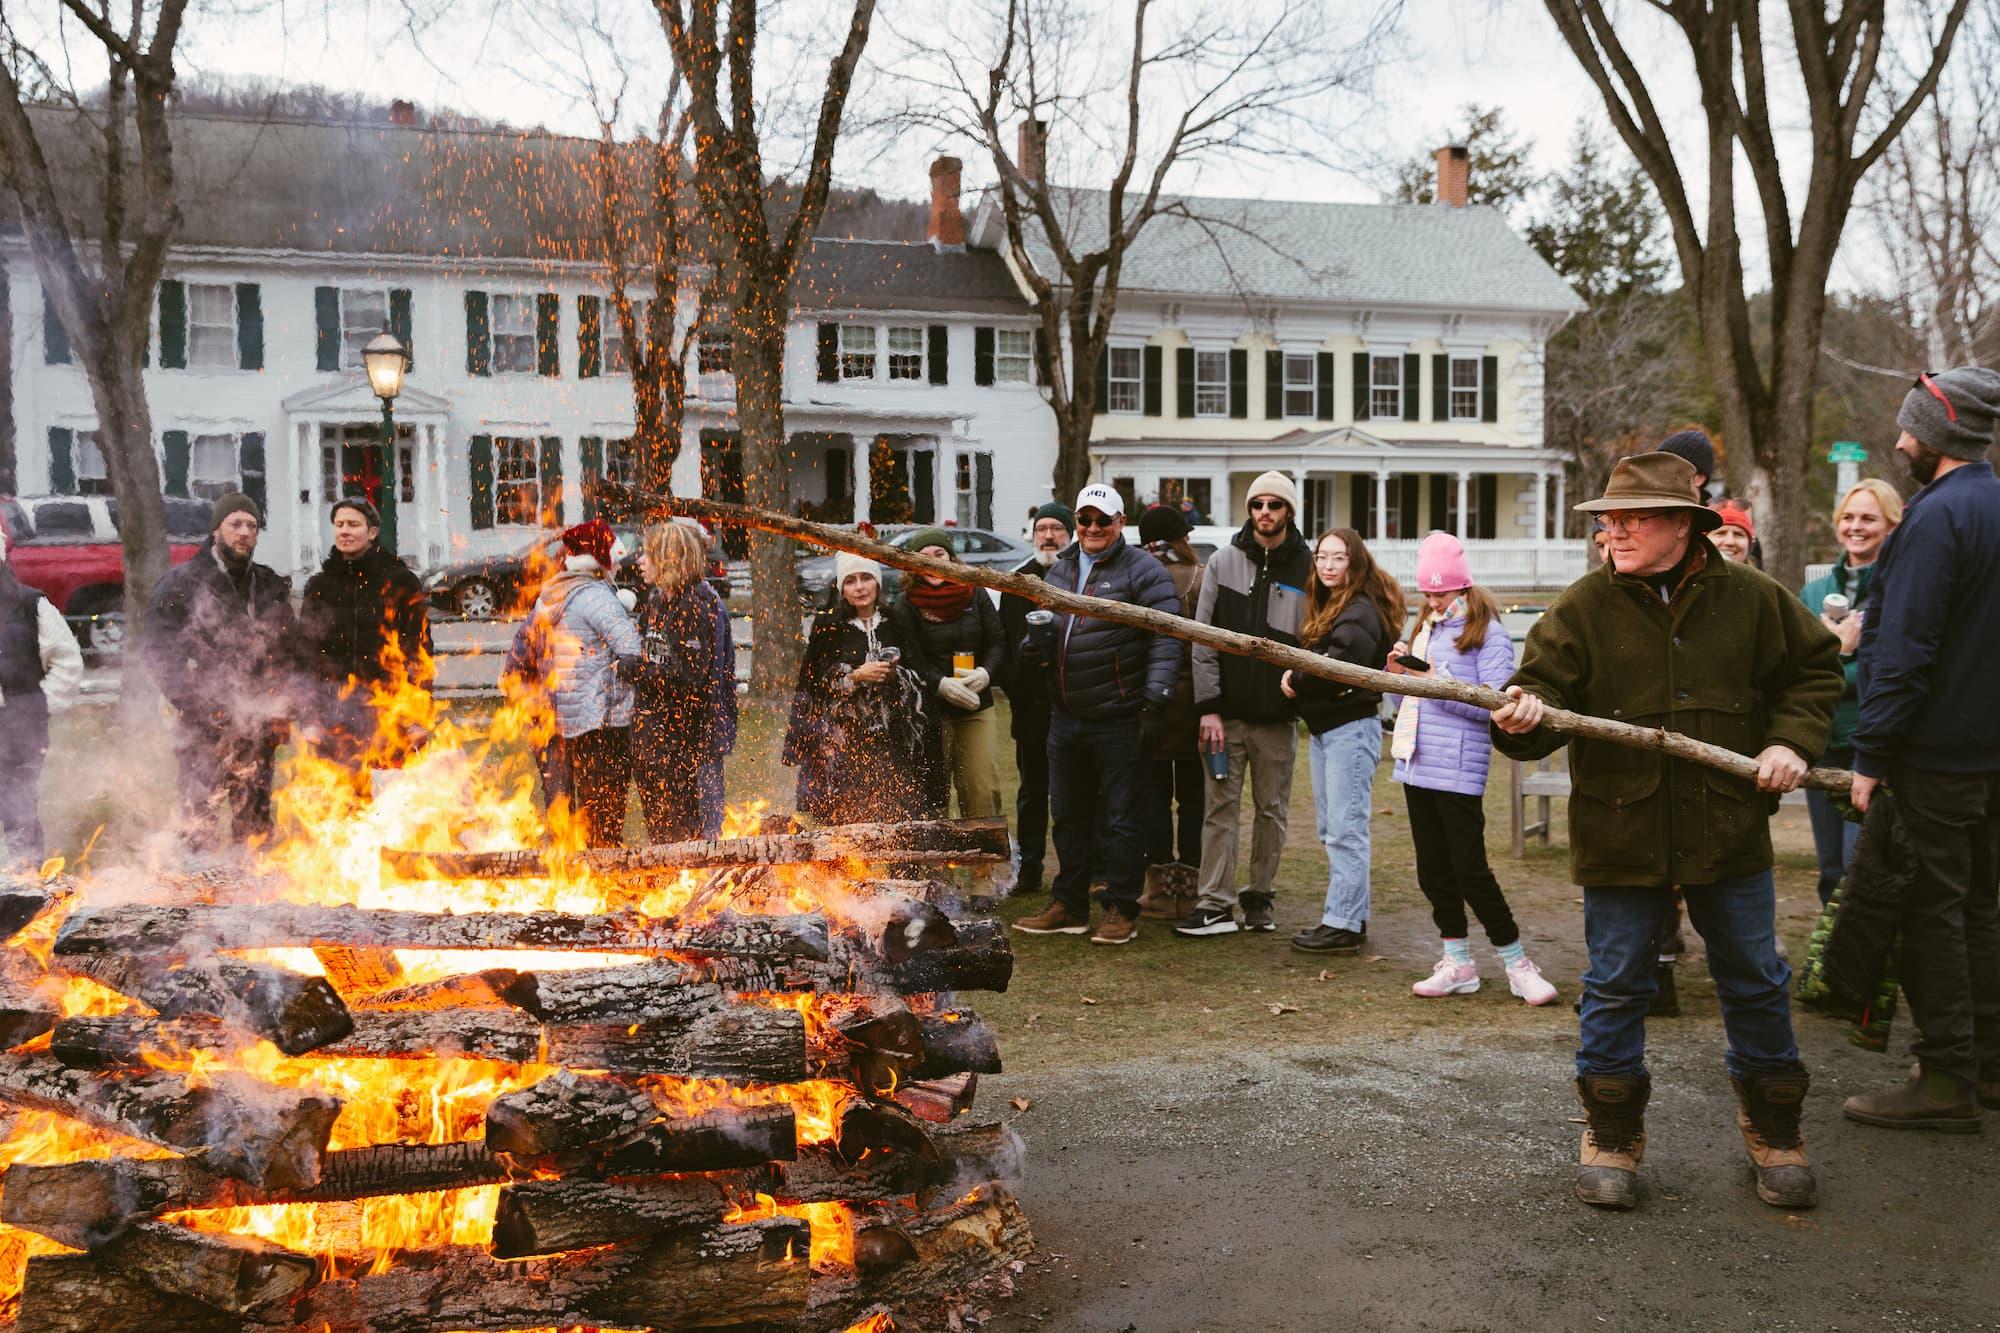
314 489
1541 504
1562 500
860 451
1464 479
1381 524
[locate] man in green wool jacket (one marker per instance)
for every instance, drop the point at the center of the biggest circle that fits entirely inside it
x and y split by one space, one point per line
1669 634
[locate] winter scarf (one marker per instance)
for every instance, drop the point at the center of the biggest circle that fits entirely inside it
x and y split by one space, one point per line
1403 744
940 601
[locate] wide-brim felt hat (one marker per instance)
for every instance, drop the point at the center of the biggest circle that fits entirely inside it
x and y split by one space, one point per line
1654 481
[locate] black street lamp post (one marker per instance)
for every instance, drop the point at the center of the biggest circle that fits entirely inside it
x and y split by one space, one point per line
387 360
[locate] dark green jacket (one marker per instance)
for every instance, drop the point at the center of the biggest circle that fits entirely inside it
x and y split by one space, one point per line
1854 585
1735 660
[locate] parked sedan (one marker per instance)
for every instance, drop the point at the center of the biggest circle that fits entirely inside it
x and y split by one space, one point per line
503 586
975 546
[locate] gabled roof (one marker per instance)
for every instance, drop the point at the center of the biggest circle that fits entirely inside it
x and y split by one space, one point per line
841 274
1365 254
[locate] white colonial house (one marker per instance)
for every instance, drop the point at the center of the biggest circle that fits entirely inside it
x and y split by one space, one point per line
909 394
1387 357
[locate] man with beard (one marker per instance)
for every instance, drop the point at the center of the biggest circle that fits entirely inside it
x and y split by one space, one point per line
1027 690
219 639
1255 585
1930 731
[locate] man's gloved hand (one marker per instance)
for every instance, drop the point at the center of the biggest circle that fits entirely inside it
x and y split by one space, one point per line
1031 652
1152 726
954 692
976 680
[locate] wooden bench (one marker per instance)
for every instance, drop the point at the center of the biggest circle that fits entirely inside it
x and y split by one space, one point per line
1545 779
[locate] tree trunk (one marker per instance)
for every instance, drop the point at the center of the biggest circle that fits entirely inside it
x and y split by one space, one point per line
758 327
125 435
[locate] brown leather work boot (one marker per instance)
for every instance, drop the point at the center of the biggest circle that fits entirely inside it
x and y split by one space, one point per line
1114 927
1614 1142
1055 919
1769 1120
1929 1100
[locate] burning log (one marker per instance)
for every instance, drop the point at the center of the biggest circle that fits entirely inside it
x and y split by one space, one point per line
293 1012
127 1040
916 842
915 927
639 992
717 1141
745 1042
938 1100
563 1113
957 1042
964 1155
548 1216
180 931
266 1135
864 1125
234 1274
468 990
925 1257
73 1293
20 904
23 1017
358 972
84 1204
414 1034
752 1273
981 959
622 1131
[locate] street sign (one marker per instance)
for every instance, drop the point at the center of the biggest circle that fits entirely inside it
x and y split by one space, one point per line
1847 451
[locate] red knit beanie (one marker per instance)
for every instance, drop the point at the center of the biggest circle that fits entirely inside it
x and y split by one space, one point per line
1736 516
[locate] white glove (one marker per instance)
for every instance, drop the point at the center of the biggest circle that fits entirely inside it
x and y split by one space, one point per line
976 680
955 693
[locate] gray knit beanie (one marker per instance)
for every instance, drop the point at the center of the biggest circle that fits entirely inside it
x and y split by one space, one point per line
1957 420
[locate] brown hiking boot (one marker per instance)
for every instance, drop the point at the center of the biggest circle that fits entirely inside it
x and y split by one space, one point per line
1769 1120
1927 1101
1116 928
1614 1141
1055 919
1157 900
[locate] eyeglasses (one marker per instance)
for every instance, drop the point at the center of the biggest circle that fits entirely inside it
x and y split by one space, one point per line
1625 522
1330 558
1924 381
1264 506
1101 521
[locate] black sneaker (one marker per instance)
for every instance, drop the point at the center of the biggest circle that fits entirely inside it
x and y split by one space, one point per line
1257 913
1204 921
1328 939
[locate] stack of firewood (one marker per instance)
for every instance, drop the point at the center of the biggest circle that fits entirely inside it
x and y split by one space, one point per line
617 1201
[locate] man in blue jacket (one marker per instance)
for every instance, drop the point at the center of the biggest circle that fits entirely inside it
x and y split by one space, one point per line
1930 730
1107 683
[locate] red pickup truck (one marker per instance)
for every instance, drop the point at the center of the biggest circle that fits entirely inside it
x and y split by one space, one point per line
67 546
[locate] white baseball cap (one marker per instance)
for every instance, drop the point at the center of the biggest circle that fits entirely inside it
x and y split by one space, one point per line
1100 497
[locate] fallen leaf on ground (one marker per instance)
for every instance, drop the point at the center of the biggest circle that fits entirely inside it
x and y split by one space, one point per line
1087 1000
1020 1103
1282 1008
1031 1020
1376 958
1324 975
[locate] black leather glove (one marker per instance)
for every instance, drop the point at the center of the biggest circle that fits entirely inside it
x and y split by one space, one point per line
1152 726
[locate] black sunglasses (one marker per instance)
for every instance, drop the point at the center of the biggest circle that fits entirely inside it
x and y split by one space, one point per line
1101 521
1259 506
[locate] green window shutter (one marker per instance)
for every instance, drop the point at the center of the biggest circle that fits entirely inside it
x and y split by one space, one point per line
479 352
250 465
174 462
173 325
479 458
1489 504
1323 385
1361 503
62 461
589 339
1150 367
923 485
1441 388
1361 396
1104 380
982 355
590 471
1184 381
1440 519
1274 385
829 354
982 492
249 326
548 334
1239 383
552 479
55 338
326 328
401 323
1406 503
938 353
1413 373
1489 388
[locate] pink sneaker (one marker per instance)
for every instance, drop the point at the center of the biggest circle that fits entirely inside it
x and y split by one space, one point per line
1448 978
1526 981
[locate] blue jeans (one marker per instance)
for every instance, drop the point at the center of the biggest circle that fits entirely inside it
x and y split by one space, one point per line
1833 836
1342 763
1622 927
1096 786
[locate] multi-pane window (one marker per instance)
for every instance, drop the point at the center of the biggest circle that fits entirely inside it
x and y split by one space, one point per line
1126 370
615 360
621 461
1211 384
715 367
1301 384
212 466
1465 388
517 479
857 351
211 325
1385 386
513 318
906 354
92 477
1013 356
363 315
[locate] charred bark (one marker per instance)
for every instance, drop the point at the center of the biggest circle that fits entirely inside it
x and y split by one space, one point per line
957 1041
964 1155
74 1293
938 1100
564 1113
717 1141
468 990
746 1043
23 1017
235 1274
549 1216
925 1258
293 1012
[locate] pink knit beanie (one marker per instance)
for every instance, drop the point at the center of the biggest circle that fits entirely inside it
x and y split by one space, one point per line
1441 564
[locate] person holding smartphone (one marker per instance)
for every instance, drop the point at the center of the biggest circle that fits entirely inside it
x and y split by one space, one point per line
1443 751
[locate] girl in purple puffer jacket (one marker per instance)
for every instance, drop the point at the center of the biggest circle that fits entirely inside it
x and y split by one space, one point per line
1442 750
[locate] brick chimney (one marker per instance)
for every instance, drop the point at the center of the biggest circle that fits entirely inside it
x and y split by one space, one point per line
1454 182
947 228
1028 153
402 112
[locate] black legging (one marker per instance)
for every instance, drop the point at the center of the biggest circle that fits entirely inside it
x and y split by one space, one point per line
1450 833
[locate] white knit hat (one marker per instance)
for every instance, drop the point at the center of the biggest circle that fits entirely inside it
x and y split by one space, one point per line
847 562
1277 485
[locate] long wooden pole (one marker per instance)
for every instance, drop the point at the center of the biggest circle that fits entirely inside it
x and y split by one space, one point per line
1037 590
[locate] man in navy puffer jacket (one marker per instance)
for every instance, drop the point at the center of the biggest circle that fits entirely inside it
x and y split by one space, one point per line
1108 683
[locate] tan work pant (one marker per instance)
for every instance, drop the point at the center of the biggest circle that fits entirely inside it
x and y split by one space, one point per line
1266 751
972 756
